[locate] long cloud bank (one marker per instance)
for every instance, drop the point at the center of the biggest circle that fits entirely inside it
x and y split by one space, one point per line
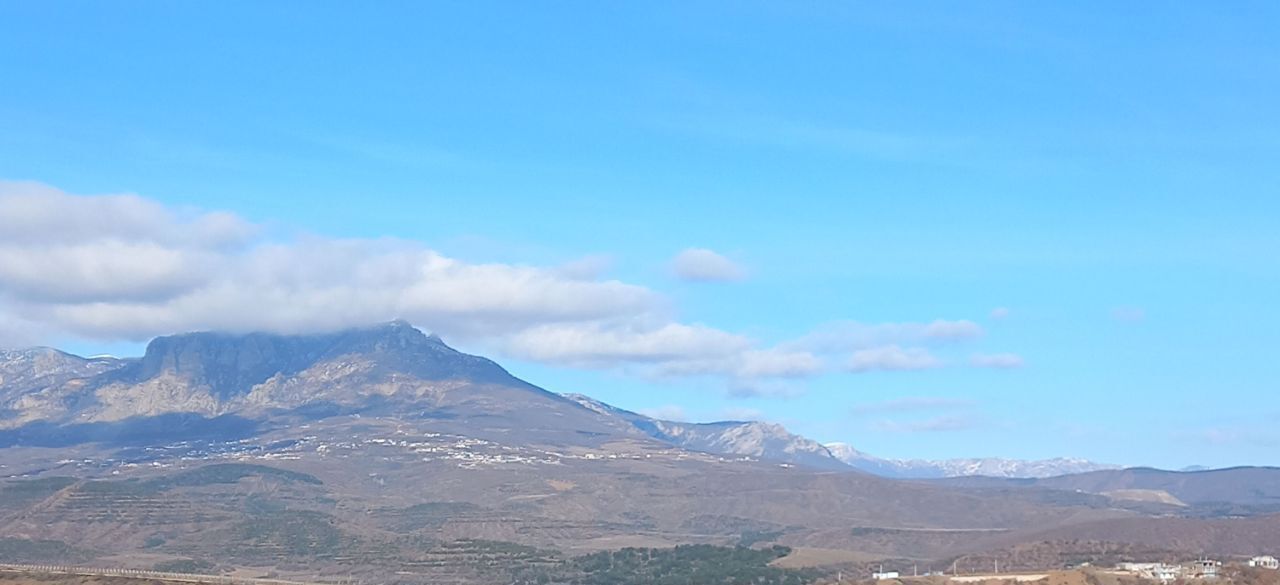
114 267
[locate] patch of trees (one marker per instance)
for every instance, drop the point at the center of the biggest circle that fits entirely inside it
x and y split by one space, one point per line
683 565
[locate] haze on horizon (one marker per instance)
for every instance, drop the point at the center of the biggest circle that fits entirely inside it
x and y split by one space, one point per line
1003 229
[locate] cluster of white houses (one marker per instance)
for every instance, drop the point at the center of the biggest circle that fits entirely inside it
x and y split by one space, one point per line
1201 569
1164 572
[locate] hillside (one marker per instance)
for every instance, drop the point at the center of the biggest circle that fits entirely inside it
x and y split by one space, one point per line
1232 491
382 451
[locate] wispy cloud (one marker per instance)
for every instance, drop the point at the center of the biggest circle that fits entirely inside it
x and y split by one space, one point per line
920 414
1228 436
938 424
1000 313
703 265
116 267
843 336
590 267
912 404
1005 361
124 267
764 388
892 358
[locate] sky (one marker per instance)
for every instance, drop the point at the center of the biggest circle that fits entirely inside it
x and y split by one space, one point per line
928 230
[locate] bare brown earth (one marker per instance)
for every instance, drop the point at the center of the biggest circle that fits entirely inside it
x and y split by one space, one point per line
45 579
370 509
23 578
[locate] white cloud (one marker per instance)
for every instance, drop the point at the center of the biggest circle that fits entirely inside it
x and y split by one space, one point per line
886 346
764 388
893 358
996 360
667 350
123 267
62 248
16 331
945 423
589 267
1000 313
608 344
750 364
843 336
317 284
703 265
771 363
39 214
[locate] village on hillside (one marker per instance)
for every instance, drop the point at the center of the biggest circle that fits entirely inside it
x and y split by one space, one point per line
1258 569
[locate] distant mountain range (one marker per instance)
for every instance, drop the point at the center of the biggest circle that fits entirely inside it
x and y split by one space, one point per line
385 368
760 440
772 442
990 466
385 451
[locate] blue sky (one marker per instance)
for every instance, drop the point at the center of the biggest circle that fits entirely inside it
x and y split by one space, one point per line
1091 188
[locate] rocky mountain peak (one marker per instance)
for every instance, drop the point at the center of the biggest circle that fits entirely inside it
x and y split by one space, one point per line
22 370
989 467
232 364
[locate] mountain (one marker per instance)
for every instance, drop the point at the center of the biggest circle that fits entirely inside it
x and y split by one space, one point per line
383 453
389 368
25 370
760 440
989 467
1231 491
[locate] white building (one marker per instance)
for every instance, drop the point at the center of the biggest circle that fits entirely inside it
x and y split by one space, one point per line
1205 569
882 575
1166 573
1157 571
1267 562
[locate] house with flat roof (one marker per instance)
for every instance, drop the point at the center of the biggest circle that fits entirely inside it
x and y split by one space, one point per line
1265 562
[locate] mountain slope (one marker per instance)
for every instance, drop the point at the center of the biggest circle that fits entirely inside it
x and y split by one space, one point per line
384 452
760 440
25 370
391 368
388 368
1227 491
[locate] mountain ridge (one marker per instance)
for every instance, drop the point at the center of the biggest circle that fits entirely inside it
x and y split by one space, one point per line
964 467
391 365
762 440
418 450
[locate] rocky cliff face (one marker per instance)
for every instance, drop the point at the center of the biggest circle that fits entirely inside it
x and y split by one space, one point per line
386 369
24 370
35 382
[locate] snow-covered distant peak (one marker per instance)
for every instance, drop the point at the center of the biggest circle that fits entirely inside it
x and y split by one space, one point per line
989 466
